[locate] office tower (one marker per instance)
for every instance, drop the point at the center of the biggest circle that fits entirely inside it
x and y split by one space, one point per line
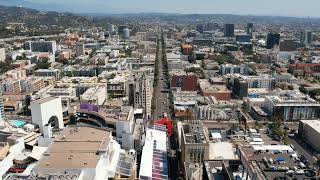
142 97
41 46
228 30
306 37
2 55
249 28
126 33
240 88
1 107
200 28
121 28
101 35
80 49
272 40
111 28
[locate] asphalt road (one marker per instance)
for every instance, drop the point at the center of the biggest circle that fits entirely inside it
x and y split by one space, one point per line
161 98
302 151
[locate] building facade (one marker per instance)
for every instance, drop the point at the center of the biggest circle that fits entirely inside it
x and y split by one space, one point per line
143 95
229 30
41 46
272 40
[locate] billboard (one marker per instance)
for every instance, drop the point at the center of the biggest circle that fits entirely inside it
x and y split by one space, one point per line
89 107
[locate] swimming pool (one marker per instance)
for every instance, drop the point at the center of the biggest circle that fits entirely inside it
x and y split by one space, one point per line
17 123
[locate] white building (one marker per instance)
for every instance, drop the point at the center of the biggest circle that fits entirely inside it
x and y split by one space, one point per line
232 69
262 81
48 72
125 127
310 130
143 95
292 106
15 149
154 162
126 33
2 54
47 111
95 95
82 153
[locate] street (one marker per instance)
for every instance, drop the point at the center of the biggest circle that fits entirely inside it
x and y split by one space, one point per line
161 98
302 151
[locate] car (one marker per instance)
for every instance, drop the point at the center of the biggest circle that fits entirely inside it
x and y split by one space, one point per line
291 145
299 171
302 165
306 161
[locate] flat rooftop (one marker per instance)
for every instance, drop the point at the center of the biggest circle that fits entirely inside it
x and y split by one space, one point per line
77 147
195 134
272 163
207 87
315 124
222 150
43 100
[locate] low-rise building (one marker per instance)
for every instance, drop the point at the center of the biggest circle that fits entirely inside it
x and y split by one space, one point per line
220 92
48 72
271 162
292 106
184 82
32 84
81 152
232 69
310 131
95 95
154 159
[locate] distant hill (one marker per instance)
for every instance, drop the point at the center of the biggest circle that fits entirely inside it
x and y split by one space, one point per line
38 6
33 17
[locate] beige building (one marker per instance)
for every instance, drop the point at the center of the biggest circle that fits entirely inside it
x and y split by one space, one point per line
81 152
194 142
310 130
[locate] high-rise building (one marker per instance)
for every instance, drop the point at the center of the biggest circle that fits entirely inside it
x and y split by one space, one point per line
228 30
306 37
200 28
120 29
249 28
240 88
126 33
41 46
111 28
142 95
2 55
80 50
1 107
272 40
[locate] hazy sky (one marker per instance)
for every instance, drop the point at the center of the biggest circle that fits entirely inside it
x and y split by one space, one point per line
259 7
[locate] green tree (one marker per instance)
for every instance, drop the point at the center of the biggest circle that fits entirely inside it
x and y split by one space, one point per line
43 64
203 64
5 66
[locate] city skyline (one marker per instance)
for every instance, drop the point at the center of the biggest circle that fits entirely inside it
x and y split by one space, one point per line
247 7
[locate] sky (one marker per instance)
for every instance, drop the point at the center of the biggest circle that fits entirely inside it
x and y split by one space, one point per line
251 7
